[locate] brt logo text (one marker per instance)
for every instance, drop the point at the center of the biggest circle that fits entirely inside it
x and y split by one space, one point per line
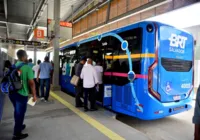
177 43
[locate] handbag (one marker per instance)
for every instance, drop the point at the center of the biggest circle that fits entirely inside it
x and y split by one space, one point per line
75 80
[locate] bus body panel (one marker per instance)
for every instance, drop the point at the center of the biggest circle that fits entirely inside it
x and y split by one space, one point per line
175 50
154 109
108 94
66 86
120 97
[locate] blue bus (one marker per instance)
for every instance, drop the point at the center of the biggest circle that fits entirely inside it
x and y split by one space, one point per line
148 69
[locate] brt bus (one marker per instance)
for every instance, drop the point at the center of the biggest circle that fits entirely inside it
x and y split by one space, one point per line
148 69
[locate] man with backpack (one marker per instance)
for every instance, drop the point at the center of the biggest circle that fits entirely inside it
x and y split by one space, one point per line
19 98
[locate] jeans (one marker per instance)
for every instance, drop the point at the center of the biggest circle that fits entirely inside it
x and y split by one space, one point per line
20 105
37 86
92 97
45 83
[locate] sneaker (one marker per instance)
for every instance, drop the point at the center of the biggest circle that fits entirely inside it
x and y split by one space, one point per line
20 136
42 99
93 109
23 127
78 106
46 101
85 109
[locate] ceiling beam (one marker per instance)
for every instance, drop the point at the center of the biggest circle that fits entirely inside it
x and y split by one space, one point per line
36 17
6 22
78 10
6 17
93 9
4 27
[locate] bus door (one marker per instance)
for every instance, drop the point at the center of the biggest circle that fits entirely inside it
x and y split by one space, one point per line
175 64
96 52
68 69
107 49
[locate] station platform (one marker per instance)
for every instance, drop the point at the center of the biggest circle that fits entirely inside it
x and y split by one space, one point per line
60 120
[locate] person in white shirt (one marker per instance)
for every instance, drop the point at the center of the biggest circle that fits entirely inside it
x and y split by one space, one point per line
99 70
36 69
90 80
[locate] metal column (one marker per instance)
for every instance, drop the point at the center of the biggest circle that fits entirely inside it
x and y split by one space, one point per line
1 63
108 11
35 55
56 85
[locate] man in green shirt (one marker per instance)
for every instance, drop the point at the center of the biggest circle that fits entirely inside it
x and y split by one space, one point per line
20 98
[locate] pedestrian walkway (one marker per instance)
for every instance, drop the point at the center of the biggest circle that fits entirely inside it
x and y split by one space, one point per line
60 120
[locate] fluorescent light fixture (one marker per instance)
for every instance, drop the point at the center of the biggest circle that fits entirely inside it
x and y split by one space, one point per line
182 18
4 50
104 3
31 36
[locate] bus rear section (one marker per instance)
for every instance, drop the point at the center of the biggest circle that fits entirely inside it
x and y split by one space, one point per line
170 79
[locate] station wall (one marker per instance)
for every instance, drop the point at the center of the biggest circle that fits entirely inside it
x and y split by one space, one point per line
118 9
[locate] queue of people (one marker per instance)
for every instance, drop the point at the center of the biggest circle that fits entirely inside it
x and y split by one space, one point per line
89 83
31 77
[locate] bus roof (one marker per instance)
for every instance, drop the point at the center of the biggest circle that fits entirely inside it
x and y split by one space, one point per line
69 46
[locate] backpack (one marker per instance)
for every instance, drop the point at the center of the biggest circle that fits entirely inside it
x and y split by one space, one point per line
11 81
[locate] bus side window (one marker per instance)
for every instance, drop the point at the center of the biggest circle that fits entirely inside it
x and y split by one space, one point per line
134 38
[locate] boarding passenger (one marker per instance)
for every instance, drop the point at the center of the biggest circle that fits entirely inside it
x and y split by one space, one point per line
99 70
79 87
196 118
44 73
90 81
36 69
20 98
30 63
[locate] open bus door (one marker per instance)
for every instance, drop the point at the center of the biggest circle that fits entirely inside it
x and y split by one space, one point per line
107 74
96 50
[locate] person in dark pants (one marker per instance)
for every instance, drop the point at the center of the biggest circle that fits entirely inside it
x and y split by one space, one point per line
196 118
99 70
44 73
90 81
79 87
37 84
20 98
7 66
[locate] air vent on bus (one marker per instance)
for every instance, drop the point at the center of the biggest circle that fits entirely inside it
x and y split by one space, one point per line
176 65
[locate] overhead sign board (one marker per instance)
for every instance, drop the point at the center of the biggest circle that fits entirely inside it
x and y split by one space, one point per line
39 33
22 42
62 23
